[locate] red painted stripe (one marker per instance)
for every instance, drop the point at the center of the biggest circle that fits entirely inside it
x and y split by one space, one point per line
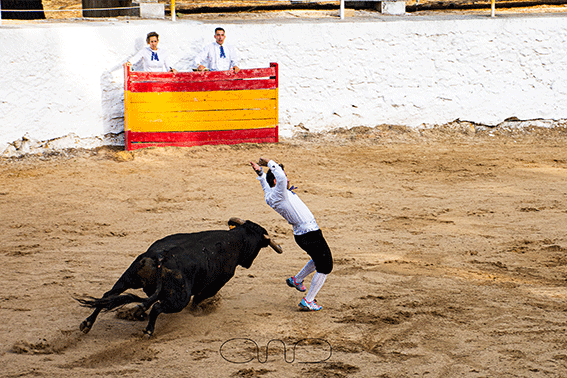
137 146
186 139
202 86
201 135
195 77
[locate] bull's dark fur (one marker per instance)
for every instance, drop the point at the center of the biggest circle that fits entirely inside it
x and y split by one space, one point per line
180 267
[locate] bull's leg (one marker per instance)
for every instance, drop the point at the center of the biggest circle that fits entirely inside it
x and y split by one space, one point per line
87 324
202 296
175 303
209 292
123 284
143 307
154 313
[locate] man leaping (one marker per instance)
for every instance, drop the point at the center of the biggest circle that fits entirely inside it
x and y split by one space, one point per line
306 232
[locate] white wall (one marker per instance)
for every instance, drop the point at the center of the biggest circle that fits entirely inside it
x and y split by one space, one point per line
66 79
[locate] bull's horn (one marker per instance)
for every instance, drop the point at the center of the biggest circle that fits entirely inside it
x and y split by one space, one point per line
232 222
273 244
237 220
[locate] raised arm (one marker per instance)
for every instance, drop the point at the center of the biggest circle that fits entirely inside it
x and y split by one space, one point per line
201 59
261 177
257 168
137 57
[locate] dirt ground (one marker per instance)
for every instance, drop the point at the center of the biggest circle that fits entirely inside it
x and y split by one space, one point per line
449 249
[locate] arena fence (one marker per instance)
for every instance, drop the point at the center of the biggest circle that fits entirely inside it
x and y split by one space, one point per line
198 108
38 9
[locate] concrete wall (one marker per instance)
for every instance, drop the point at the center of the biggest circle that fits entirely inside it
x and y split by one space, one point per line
66 81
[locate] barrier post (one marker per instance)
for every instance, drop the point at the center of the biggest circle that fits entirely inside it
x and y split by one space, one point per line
0 12
127 137
173 17
342 10
492 8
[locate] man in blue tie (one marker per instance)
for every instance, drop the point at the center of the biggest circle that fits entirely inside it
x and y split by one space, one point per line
218 56
153 59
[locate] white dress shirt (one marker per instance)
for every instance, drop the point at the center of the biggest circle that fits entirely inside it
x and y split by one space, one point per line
286 203
152 60
210 57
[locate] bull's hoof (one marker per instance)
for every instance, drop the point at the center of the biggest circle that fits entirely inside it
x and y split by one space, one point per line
139 313
85 326
148 334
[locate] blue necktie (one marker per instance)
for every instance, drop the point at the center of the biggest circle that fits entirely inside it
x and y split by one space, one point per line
222 53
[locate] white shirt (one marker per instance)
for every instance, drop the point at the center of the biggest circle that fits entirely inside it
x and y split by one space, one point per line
286 203
210 57
152 60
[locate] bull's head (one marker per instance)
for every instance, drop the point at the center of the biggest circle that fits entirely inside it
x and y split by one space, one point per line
237 221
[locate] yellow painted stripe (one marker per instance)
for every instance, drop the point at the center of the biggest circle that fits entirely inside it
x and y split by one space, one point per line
166 98
160 126
213 116
199 106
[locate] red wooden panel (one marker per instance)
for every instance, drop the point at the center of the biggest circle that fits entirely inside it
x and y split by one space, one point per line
226 85
138 81
137 140
203 76
247 79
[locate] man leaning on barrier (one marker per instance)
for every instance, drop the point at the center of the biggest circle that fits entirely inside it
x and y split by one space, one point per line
153 58
218 56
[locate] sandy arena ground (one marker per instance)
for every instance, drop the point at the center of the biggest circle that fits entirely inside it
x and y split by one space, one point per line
449 247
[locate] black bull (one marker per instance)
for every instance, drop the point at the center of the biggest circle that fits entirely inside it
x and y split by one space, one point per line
182 266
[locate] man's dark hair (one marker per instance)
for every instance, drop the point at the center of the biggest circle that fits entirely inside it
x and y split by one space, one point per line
219 28
150 35
270 178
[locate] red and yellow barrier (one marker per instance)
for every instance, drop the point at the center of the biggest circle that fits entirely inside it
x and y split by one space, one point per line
196 108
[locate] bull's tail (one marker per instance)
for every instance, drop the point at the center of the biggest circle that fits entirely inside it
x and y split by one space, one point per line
110 303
